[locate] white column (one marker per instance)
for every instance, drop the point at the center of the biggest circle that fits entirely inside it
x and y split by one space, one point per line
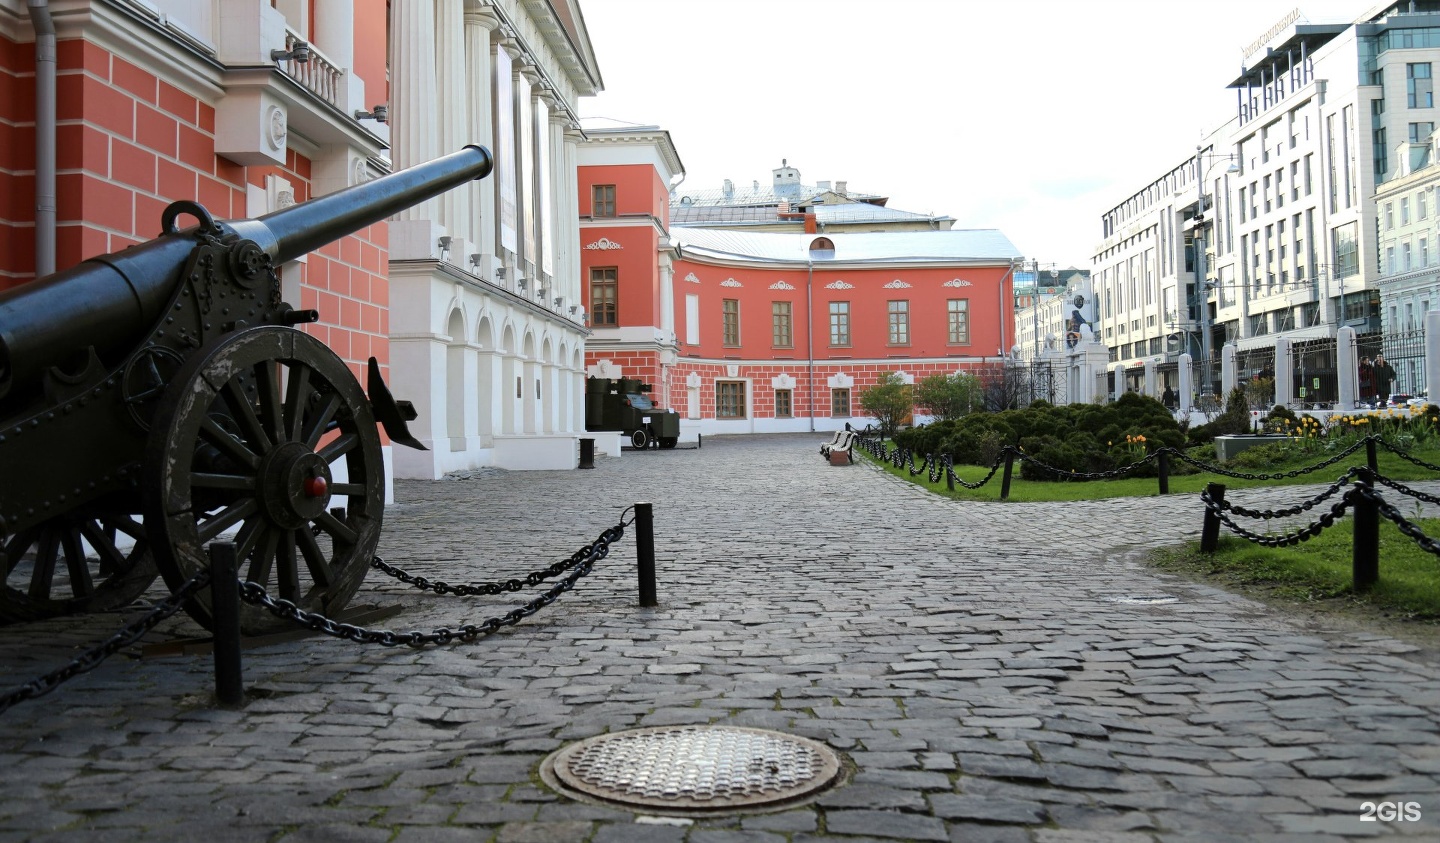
452 113
570 212
1284 372
523 80
1119 370
478 67
412 92
1186 386
1347 370
1150 377
667 292
1432 356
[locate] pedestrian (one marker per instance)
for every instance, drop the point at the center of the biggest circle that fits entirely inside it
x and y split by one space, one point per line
1168 397
1384 376
1367 381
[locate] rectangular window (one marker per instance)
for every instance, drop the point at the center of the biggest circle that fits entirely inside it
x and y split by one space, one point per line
602 200
1421 208
1419 91
781 325
729 399
1405 210
1389 216
604 304
730 311
839 403
1424 252
899 312
782 404
1404 257
839 323
1420 132
959 321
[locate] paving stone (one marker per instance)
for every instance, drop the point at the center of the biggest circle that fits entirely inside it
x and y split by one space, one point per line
982 670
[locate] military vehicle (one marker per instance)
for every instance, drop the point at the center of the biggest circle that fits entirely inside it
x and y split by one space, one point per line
623 404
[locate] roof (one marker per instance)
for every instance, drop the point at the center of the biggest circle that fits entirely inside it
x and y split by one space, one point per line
842 213
965 246
764 194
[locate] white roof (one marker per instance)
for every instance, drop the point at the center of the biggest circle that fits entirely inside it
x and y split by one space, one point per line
964 246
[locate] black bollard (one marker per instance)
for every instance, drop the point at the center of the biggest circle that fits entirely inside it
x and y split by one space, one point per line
949 473
645 552
225 606
1005 480
1210 529
699 441
1371 458
1164 460
1365 558
587 453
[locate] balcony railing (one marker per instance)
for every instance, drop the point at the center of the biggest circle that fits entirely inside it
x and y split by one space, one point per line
319 75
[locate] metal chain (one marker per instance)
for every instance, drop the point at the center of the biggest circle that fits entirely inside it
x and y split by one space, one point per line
1406 490
1091 475
1337 510
490 588
924 466
1404 456
1294 510
1407 527
124 637
1215 469
255 594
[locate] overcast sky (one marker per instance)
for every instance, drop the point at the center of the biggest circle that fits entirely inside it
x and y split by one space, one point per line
1033 117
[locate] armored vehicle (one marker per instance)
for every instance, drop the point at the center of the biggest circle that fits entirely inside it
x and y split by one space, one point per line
623 404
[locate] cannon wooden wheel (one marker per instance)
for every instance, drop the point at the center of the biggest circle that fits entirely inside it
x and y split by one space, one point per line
267 440
88 560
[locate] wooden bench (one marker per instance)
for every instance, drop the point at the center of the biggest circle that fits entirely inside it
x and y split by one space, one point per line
838 452
834 440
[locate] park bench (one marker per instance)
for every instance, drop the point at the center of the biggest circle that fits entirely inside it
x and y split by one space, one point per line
838 452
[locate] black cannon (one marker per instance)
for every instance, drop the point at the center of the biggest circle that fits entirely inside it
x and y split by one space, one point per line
160 398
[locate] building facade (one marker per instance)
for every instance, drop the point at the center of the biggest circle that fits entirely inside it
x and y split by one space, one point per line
487 326
1270 228
112 109
768 326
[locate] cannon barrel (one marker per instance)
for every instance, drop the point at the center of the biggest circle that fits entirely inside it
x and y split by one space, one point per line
110 302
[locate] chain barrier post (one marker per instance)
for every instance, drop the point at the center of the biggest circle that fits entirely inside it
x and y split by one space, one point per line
949 473
1164 460
1210 530
645 552
1005 481
699 441
225 606
1371 458
587 453
1365 559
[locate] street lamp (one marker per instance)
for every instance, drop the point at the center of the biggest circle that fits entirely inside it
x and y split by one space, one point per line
1198 237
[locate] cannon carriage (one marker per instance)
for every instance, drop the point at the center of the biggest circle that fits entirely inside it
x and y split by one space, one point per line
160 398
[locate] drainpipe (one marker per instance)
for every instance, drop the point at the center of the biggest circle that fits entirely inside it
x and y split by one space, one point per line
45 62
810 335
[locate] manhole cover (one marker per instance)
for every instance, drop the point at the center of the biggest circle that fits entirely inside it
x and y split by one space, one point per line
694 769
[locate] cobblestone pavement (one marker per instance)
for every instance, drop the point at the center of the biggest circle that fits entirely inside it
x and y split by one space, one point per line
974 662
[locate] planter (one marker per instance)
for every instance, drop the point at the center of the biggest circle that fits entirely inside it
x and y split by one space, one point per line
1228 446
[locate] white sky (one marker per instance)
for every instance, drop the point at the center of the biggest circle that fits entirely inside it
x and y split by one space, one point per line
1033 117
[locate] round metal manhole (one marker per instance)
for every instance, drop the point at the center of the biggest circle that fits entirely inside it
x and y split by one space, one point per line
694 769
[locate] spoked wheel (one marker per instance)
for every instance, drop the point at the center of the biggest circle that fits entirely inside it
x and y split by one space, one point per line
247 447
88 560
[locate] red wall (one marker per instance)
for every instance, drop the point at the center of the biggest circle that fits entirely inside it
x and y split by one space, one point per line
129 144
637 268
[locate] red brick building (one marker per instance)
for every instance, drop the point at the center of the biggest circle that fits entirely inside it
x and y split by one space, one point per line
767 331
199 102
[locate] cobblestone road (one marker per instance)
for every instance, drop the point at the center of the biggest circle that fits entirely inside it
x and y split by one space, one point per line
975 662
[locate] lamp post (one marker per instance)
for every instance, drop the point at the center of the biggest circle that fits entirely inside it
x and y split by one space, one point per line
1197 236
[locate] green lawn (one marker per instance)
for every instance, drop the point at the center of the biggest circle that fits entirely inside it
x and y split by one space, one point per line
1317 573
